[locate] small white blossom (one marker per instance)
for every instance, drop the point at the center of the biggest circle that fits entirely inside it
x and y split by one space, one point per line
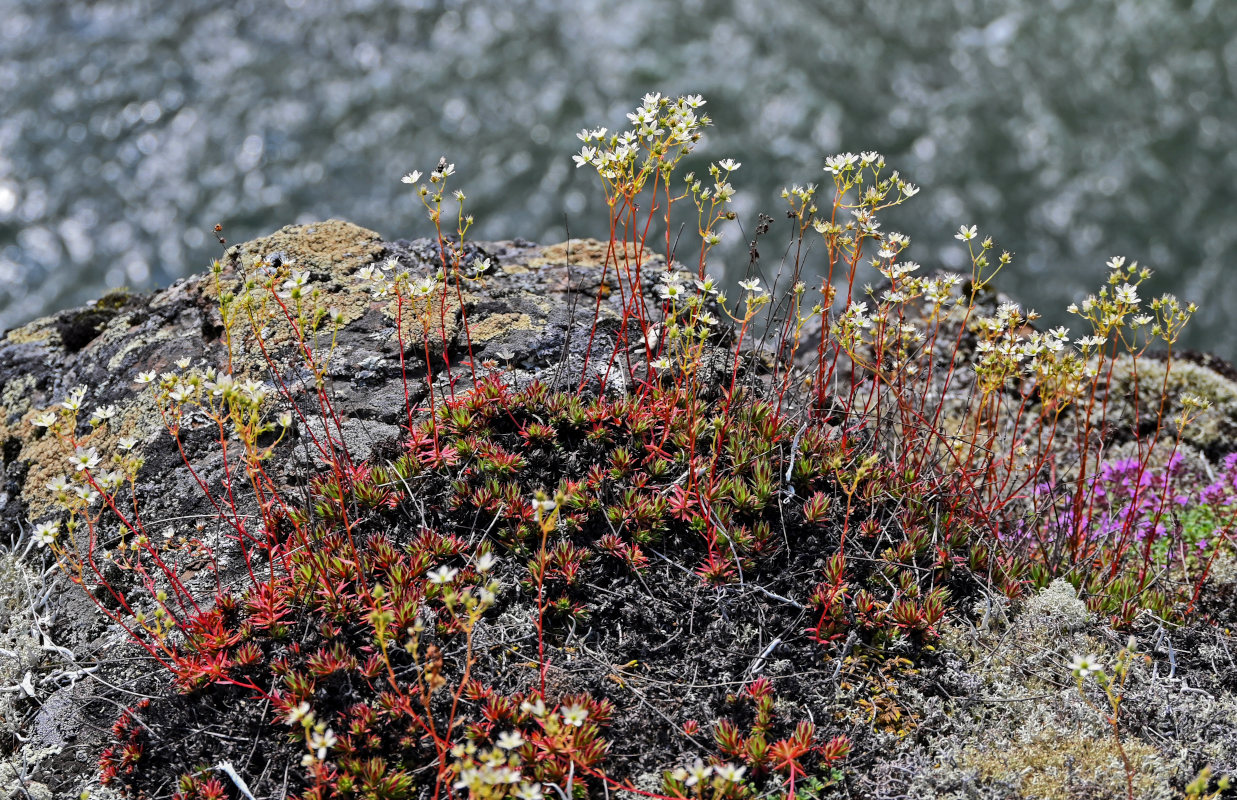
729 164
529 791
321 742
74 401
101 414
574 715
509 740
302 711
966 234
411 177
443 574
839 163
1126 294
84 458
46 532
585 156
1083 666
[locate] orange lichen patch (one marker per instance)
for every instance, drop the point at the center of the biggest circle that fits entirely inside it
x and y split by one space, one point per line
331 252
41 331
495 325
588 253
424 319
332 246
136 416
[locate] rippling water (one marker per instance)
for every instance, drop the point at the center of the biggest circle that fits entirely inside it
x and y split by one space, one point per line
1070 131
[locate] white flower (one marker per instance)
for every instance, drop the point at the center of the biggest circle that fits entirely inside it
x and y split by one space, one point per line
481 265
910 189
585 156
84 458
729 164
46 532
127 443
101 414
966 234
411 177
729 772
1084 666
443 170
574 715
45 421
670 291
1116 262
321 742
85 493
529 791
303 711
837 164
183 363
698 773
485 562
74 401
752 285
1126 294
284 419
443 574
870 157
585 135
509 740
660 364
145 377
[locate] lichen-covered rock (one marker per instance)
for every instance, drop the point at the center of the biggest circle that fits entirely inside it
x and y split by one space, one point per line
517 317
532 314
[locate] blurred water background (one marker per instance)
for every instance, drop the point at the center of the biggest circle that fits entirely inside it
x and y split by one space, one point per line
1069 130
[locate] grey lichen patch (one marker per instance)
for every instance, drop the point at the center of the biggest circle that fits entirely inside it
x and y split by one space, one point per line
1057 607
1057 764
16 393
1213 430
1020 727
20 651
